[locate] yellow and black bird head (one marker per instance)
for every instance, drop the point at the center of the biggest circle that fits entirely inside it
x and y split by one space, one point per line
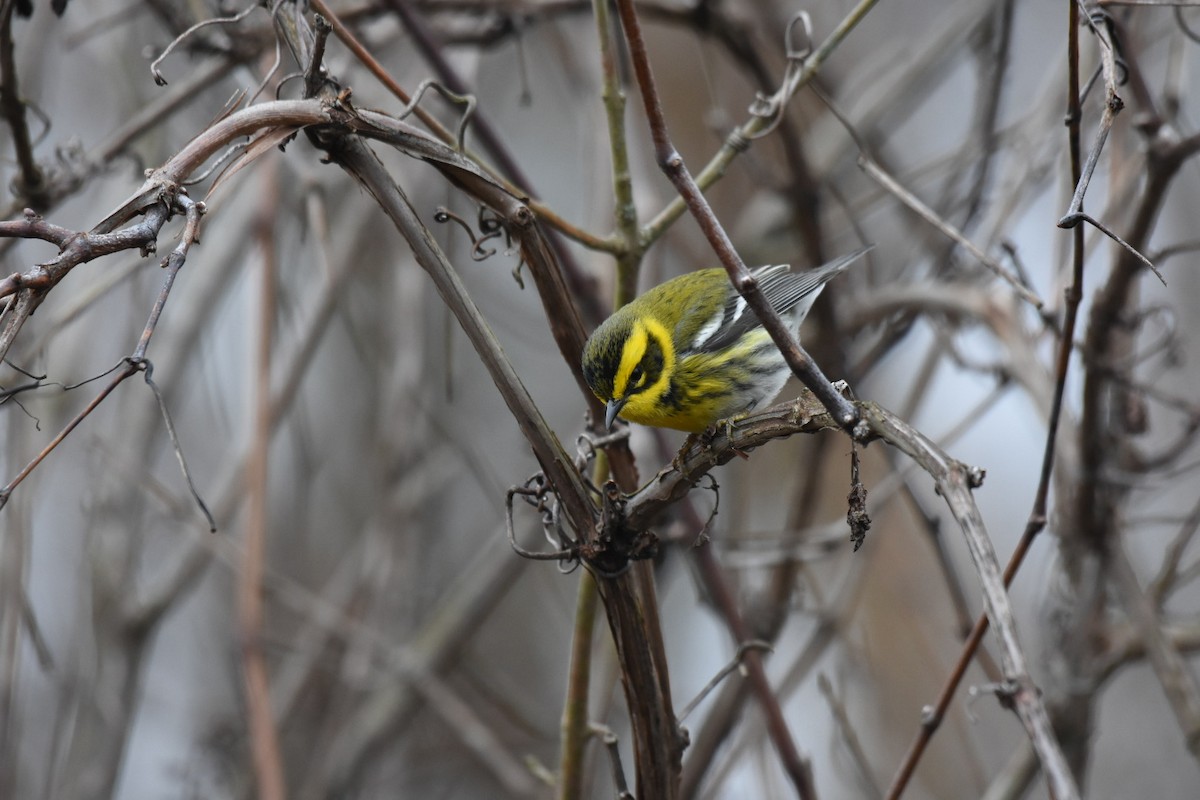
628 361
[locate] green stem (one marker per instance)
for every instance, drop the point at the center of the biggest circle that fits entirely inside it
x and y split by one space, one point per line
630 255
575 711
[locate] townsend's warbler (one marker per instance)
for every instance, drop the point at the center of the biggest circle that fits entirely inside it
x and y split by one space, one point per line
689 352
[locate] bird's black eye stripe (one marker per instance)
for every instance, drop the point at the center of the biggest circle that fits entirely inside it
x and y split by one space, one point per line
646 371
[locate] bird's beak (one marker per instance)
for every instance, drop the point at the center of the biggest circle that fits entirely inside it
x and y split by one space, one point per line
611 410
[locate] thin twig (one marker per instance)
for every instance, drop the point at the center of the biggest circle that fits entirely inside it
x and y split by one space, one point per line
177 447
612 748
128 369
734 664
890 184
1112 106
877 173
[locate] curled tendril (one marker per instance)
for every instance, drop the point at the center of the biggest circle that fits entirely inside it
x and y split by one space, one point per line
443 215
492 226
236 18
797 50
702 537
489 225
1091 82
37 111
284 81
585 452
465 100
586 445
804 50
536 492
489 222
478 251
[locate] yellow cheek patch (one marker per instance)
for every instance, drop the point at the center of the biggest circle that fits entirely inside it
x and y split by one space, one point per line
631 356
635 350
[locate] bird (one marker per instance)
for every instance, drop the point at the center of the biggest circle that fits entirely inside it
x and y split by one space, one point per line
689 353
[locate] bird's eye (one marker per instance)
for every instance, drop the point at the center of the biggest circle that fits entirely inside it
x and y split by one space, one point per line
636 377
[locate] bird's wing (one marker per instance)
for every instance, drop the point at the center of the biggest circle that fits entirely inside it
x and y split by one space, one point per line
784 290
